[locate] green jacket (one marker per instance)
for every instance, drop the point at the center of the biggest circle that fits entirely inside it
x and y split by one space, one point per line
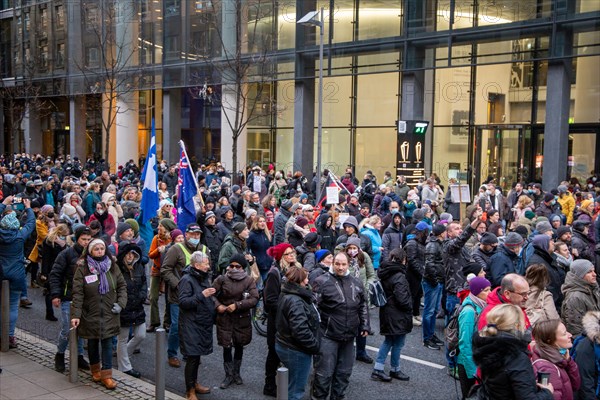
94 309
467 325
232 245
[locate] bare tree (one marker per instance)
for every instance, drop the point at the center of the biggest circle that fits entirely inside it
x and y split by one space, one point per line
109 65
242 73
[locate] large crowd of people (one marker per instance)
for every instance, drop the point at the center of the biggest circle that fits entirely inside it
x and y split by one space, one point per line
515 273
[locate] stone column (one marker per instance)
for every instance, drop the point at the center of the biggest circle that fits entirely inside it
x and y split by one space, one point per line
77 134
32 132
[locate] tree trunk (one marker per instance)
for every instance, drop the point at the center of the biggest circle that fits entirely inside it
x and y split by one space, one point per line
234 157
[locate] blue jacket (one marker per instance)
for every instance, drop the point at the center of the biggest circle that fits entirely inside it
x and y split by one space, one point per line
12 242
258 243
503 262
467 326
376 244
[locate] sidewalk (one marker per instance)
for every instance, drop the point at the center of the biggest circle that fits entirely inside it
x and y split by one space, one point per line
28 373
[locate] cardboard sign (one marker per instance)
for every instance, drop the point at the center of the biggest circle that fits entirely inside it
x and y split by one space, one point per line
332 195
464 196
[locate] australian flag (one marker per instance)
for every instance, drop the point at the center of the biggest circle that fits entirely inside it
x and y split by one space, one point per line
186 211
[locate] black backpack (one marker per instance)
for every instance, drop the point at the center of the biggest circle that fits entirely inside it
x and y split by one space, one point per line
451 333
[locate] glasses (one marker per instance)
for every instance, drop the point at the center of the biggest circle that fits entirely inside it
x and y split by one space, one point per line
309 210
168 206
522 294
235 265
289 253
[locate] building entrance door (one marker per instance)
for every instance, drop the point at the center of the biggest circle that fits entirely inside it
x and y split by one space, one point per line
499 152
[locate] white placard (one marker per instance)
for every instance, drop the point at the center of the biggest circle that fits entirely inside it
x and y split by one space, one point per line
332 195
463 197
256 184
342 218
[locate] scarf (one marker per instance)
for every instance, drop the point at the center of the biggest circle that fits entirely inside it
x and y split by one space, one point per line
548 352
10 221
477 301
100 268
563 262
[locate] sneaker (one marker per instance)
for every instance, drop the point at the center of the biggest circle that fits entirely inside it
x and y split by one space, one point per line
437 340
401 376
419 318
152 328
379 375
453 372
365 358
134 373
416 322
430 345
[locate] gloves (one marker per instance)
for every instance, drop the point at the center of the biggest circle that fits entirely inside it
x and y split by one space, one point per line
116 309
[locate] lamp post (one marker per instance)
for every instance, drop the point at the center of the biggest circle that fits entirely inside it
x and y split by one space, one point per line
311 19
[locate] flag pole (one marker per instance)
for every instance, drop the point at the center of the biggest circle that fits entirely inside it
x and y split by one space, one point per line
192 171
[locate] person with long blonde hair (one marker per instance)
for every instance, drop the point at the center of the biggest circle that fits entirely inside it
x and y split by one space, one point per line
54 243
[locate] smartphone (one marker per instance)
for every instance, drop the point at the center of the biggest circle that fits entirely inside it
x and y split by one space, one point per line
543 378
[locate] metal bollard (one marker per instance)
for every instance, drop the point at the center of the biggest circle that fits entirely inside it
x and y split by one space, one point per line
282 383
73 356
5 316
159 364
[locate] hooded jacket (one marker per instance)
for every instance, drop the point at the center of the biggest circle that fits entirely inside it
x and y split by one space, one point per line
556 274
137 287
12 243
392 238
376 243
62 272
232 245
580 297
395 318
328 235
365 242
502 263
583 245
483 258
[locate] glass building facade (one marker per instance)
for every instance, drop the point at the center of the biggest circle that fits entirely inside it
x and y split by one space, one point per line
511 88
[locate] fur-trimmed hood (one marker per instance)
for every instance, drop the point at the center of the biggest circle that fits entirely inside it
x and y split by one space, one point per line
591 325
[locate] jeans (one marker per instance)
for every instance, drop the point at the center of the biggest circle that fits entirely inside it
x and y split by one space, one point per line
333 368
65 327
94 352
394 343
17 284
452 302
298 365
154 295
191 371
124 347
432 295
173 340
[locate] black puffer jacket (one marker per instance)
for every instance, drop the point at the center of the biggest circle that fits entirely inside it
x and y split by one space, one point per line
298 319
212 239
434 261
456 256
505 368
391 239
483 258
556 274
395 318
415 256
137 287
343 306
196 315
328 235
61 275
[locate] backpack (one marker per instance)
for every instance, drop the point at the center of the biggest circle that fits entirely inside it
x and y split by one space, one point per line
451 332
377 295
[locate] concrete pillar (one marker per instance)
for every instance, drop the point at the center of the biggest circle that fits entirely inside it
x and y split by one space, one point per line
77 135
171 124
2 132
32 132
127 128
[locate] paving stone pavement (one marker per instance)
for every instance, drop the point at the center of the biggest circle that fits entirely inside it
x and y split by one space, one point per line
46 383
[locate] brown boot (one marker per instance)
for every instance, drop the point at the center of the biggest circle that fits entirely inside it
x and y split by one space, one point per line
191 394
107 379
201 389
95 369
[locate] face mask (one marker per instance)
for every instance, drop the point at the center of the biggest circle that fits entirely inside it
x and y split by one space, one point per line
594 179
100 212
553 202
194 242
562 351
488 191
62 237
394 210
590 186
353 252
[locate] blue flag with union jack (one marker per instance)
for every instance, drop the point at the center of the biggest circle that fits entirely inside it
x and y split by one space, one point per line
186 211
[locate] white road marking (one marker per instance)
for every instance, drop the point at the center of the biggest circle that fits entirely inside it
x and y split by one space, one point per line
415 360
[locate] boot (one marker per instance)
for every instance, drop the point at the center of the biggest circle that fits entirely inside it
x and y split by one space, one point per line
236 372
59 362
270 388
191 394
201 389
107 379
82 363
95 369
50 316
228 375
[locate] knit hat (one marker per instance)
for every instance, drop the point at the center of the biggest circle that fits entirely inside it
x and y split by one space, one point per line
580 225
208 215
193 228
312 239
168 224
488 238
562 189
301 221
134 225
240 259
471 268
80 229
513 239
562 230
321 254
294 207
543 227
438 229
175 233
165 202
422 226
585 204
46 209
581 267
10 221
235 188
554 217
276 252
303 196
250 213
418 214
446 217
122 227
94 243
548 197
239 227
286 204
477 285
529 214
522 230
353 241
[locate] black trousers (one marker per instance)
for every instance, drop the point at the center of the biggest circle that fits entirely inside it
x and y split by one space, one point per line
192 364
272 362
416 291
466 383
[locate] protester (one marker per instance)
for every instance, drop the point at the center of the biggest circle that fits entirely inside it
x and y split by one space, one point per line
158 249
540 304
587 355
581 294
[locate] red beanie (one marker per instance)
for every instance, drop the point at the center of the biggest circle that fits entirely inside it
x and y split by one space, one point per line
277 251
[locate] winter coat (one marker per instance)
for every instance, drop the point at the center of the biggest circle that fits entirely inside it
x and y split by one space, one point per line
495 299
281 218
365 242
106 220
212 240
61 275
41 230
366 274
580 297
544 210
402 191
174 261
456 256
384 207
415 257
306 257
467 326
450 206
235 328
50 252
541 302
505 368
328 235
155 255
434 261
225 228
556 274
391 239
298 319
12 244
583 245
342 302
137 288
564 375
232 245
483 258
586 357
196 313
395 318
567 205
94 309
89 203
258 243
502 263
376 243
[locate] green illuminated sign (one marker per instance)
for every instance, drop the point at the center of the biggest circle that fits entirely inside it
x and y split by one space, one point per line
420 127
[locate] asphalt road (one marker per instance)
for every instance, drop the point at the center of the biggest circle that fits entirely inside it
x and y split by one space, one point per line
426 368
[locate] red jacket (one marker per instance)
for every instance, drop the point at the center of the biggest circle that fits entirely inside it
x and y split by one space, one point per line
495 299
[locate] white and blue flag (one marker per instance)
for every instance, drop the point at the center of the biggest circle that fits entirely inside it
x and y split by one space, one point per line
150 200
